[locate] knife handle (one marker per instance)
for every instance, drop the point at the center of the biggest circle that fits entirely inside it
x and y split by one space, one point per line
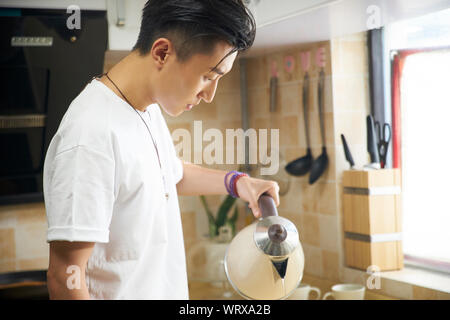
347 152
371 141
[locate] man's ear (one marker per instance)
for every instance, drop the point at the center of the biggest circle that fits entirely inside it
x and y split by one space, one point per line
162 48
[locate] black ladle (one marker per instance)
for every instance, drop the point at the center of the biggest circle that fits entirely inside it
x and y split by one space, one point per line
321 163
301 166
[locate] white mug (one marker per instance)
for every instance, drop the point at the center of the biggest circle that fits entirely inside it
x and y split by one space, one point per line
346 292
302 292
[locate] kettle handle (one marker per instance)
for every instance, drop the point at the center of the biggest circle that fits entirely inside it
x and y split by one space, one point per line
276 232
267 206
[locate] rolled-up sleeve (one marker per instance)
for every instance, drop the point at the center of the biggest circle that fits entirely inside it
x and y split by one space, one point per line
79 195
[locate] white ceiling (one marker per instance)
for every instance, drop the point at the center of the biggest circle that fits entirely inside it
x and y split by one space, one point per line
281 23
337 18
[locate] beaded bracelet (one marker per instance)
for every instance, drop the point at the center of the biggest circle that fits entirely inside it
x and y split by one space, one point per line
235 182
233 193
228 186
231 186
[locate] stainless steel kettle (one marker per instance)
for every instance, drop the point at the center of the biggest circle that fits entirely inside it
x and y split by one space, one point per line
265 260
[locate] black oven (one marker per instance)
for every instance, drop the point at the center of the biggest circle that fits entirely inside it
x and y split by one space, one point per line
43 66
23 115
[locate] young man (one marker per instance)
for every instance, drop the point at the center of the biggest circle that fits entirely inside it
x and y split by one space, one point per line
111 175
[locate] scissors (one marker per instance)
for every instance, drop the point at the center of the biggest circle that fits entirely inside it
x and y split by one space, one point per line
384 137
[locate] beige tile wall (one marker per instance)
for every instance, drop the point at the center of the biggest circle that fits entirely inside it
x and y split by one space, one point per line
23 231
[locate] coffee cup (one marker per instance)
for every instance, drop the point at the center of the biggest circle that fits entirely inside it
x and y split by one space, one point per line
303 291
346 291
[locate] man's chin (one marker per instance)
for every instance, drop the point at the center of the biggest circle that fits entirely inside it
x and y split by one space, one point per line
177 113
173 113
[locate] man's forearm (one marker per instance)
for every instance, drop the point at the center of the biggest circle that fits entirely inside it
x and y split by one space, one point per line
198 180
59 289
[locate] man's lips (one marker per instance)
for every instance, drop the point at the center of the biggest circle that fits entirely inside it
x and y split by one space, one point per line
189 106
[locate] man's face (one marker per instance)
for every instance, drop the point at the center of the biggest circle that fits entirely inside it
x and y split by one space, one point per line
184 85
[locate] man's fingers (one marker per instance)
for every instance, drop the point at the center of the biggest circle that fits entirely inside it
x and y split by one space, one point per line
273 192
255 209
277 199
271 188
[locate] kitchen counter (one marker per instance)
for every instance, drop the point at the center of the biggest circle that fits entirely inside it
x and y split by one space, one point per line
207 291
28 285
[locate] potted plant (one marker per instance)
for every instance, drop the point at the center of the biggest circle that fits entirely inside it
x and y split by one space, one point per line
221 219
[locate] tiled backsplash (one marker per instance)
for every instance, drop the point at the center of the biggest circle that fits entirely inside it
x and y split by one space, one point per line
23 233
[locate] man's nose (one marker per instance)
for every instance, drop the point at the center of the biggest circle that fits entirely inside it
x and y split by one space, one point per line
208 93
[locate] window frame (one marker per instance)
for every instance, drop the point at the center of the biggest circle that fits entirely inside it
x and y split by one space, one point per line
398 60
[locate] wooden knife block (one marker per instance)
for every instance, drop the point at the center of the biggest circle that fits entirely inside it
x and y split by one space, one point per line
372 219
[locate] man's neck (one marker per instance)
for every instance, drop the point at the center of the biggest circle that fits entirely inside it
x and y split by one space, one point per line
131 79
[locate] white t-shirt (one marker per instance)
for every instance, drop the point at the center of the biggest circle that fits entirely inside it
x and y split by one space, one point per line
103 184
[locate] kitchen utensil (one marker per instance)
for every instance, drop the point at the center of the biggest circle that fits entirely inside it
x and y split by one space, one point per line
280 176
273 93
265 260
301 166
372 145
303 291
321 163
384 137
346 292
348 154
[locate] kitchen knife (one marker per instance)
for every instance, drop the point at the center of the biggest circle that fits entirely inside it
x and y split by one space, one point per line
348 154
372 144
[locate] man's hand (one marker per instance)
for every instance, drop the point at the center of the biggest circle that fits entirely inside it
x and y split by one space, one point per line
250 189
204 181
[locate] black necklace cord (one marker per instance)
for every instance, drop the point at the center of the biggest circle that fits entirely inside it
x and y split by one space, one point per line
129 103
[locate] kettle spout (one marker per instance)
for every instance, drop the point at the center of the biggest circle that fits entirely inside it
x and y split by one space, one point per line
281 267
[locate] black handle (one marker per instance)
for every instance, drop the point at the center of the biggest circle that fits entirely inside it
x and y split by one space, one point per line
321 101
371 141
276 232
267 206
305 100
347 152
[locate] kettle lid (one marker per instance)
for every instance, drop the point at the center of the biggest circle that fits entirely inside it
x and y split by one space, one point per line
276 236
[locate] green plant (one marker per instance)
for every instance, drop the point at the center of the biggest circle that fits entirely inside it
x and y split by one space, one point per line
221 218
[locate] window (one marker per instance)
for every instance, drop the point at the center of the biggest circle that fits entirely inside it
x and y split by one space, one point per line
421 117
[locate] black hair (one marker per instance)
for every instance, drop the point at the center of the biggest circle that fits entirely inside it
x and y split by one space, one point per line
196 26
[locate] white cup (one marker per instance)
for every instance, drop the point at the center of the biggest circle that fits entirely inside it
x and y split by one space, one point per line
302 292
346 292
